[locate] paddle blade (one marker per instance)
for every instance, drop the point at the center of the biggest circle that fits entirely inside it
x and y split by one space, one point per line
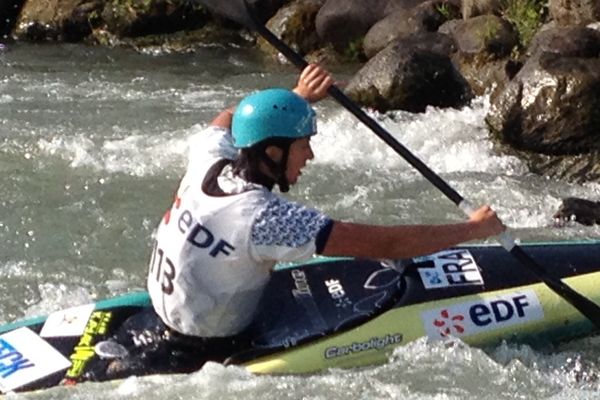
239 11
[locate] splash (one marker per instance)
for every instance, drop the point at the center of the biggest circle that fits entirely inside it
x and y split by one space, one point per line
136 155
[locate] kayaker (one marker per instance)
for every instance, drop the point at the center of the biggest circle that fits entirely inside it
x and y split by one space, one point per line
215 248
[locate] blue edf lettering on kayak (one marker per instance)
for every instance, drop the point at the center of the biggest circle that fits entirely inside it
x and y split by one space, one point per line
481 315
200 236
498 310
11 360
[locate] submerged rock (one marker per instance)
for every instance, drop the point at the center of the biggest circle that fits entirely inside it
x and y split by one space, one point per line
583 211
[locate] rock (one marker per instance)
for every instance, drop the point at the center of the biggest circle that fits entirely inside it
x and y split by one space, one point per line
295 25
585 212
396 5
551 105
484 44
411 74
179 42
151 17
574 12
573 41
576 168
426 17
474 8
65 20
341 23
74 20
326 56
486 36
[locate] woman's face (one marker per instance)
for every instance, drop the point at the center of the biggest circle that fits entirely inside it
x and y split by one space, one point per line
300 153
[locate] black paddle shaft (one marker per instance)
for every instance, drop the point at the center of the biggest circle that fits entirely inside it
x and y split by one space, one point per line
349 105
243 12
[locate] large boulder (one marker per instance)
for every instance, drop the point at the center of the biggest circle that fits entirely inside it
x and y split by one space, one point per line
341 23
295 25
573 41
551 106
425 17
486 36
411 74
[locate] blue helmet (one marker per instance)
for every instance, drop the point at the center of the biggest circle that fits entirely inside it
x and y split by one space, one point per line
272 113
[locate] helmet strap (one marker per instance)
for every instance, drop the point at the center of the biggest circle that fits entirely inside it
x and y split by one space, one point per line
278 169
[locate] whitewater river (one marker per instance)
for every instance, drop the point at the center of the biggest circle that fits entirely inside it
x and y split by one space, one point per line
93 142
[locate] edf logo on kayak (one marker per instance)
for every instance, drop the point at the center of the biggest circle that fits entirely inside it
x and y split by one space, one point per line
469 318
11 360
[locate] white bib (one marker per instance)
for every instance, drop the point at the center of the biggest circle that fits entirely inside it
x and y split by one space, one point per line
213 254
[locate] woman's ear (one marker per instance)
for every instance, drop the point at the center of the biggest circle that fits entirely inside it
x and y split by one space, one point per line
274 153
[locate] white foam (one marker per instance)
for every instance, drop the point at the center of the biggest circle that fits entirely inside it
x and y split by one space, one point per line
58 296
447 140
6 98
136 155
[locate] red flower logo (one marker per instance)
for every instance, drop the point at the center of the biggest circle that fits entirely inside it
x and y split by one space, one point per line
447 324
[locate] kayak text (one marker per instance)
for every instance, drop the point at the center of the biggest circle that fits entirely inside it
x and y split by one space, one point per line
301 287
498 311
11 360
481 315
84 351
374 343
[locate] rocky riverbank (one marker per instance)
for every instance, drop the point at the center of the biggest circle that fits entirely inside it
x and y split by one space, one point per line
539 59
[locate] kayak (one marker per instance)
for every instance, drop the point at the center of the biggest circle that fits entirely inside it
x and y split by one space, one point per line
340 313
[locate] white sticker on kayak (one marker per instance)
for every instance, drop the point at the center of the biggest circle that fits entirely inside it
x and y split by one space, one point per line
450 268
469 318
25 358
69 322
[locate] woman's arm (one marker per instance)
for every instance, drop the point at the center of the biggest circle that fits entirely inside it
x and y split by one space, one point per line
223 120
406 241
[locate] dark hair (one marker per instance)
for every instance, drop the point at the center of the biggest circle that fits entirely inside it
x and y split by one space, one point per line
247 166
248 163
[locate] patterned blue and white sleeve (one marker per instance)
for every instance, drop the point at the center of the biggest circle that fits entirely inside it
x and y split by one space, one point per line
287 231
